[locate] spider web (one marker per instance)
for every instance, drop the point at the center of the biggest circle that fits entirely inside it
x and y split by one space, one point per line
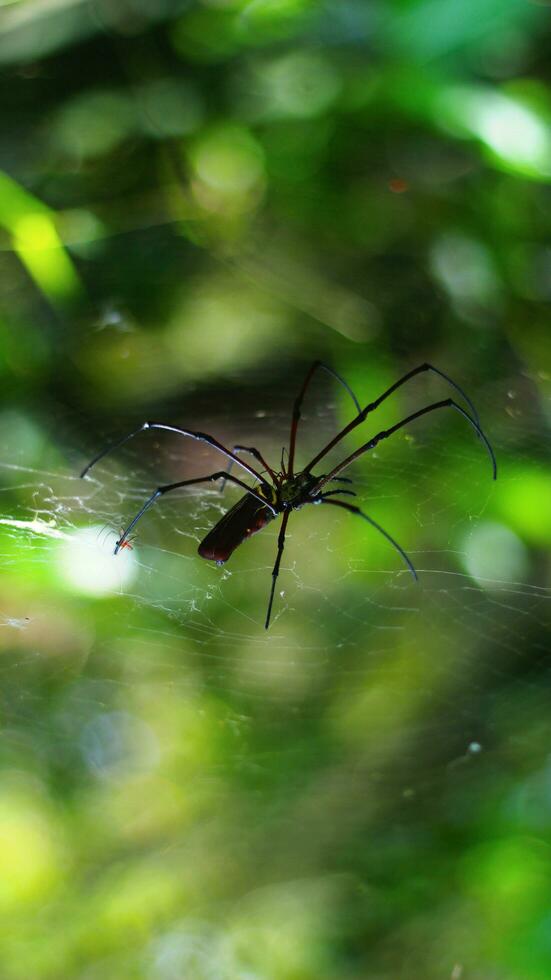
346 611
372 702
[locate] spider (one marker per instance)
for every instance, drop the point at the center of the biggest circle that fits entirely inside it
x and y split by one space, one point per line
125 540
283 491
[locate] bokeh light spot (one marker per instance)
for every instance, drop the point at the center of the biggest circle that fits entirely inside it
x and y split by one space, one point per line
465 268
228 159
515 134
302 84
494 553
94 123
249 319
117 742
519 502
172 107
29 853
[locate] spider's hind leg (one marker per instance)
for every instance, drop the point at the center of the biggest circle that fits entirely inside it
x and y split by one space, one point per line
275 572
331 493
360 513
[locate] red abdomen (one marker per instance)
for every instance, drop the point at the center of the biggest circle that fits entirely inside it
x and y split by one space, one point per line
241 522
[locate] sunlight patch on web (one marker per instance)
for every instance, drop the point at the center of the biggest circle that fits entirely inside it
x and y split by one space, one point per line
47 528
87 563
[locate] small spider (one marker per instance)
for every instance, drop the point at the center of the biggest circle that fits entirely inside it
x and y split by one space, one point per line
286 490
126 540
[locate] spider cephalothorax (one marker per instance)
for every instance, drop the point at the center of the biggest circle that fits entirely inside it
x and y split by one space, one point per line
286 490
295 491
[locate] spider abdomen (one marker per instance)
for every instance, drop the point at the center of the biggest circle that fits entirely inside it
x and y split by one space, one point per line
246 518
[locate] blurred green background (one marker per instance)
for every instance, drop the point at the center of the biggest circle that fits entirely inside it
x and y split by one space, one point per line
197 199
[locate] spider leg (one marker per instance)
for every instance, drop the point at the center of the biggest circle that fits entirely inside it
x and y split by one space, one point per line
160 491
418 370
252 452
201 436
300 398
331 493
360 513
389 391
275 573
385 433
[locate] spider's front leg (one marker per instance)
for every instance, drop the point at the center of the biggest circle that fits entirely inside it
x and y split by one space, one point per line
177 430
160 492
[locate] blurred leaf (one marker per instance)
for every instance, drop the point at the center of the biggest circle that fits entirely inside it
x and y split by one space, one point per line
36 241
